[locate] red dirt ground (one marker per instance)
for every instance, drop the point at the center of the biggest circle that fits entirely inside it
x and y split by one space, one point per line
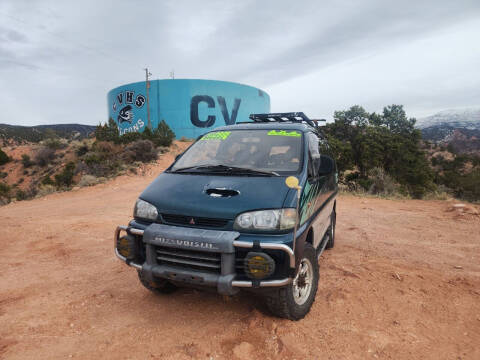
403 282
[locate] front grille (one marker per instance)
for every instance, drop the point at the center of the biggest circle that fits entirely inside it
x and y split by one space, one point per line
188 259
197 221
240 255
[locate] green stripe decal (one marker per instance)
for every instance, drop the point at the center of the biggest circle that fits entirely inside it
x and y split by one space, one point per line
284 133
218 135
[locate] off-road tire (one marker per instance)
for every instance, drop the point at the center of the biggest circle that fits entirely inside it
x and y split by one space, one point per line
157 286
331 230
281 302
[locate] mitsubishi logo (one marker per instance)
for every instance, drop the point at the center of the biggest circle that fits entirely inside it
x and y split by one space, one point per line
192 222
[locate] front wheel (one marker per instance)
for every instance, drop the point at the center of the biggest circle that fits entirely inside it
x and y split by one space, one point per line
295 300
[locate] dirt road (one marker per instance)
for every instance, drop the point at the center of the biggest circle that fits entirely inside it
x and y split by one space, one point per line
403 282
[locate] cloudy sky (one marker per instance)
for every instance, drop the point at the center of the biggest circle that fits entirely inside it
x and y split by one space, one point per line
58 59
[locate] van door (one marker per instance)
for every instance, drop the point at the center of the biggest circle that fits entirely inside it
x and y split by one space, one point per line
318 191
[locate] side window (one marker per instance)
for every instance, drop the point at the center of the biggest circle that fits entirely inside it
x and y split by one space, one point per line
313 155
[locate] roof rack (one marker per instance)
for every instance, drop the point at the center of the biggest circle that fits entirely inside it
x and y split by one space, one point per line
298 117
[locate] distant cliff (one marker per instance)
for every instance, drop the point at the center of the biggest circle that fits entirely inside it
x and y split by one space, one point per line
460 128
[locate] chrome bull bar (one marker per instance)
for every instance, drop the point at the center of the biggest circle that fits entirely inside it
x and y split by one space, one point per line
118 230
240 244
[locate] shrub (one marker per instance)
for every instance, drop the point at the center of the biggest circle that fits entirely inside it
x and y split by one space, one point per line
107 132
470 186
46 189
54 143
365 183
26 161
20 195
141 150
88 180
3 157
44 156
352 176
382 183
103 169
104 147
92 159
4 190
65 178
442 193
163 135
82 150
130 137
47 180
102 160
147 134
81 168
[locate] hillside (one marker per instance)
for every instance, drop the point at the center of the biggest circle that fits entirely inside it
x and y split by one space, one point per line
464 118
401 283
10 134
460 128
30 169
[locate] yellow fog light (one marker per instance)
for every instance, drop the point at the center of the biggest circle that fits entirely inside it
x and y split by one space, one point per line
126 247
258 265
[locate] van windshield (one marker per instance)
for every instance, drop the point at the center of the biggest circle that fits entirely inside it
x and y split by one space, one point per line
274 151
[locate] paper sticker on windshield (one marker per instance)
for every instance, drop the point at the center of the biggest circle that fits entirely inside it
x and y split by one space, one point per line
217 135
284 133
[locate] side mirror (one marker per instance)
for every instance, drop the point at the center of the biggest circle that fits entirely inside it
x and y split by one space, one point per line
314 166
327 165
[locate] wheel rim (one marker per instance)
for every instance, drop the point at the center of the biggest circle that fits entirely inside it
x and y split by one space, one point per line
302 284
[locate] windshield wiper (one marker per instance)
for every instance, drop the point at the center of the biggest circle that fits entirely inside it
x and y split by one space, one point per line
226 168
197 167
252 171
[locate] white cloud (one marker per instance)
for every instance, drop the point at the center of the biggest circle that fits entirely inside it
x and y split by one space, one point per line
433 72
58 59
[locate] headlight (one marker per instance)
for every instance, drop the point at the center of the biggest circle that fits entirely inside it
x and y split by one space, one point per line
278 219
145 210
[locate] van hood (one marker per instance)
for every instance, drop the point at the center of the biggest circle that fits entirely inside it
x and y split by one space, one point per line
188 194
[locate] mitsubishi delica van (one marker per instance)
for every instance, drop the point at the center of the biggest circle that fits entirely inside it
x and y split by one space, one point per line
249 206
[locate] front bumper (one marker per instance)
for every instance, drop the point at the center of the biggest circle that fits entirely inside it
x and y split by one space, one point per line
224 243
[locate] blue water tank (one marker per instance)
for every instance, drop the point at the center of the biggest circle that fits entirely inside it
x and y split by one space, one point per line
190 107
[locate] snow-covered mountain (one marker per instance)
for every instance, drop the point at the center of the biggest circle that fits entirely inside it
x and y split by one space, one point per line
461 128
464 118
